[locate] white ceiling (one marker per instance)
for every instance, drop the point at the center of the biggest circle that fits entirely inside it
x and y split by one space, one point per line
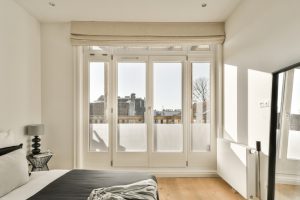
130 10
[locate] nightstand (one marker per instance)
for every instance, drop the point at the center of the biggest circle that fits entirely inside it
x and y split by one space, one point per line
39 161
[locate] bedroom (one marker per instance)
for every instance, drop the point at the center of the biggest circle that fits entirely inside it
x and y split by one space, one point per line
42 81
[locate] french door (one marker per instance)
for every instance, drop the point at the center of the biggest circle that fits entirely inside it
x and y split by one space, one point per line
202 128
97 116
167 127
130 138
146 111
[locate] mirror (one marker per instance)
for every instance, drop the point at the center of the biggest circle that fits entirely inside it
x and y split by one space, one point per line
286 138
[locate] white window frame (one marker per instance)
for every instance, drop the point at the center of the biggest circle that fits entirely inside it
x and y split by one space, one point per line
126 159
187 158
203 159
168 159
92 159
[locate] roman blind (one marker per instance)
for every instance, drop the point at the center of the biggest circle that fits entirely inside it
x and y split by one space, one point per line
110 33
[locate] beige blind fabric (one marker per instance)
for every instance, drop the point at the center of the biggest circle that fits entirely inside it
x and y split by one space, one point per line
92 33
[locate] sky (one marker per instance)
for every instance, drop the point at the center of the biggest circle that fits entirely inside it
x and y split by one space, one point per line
132 79
167 88
167 79
96 80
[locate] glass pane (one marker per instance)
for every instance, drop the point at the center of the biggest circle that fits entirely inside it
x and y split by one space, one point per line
132 129
280 90
167 97
293 151
288 136
279 107
98 140
201 106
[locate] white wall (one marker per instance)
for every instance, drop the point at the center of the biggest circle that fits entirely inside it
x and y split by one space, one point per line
263 35
20 69
36 80
235 104
259 98
230 102
57 92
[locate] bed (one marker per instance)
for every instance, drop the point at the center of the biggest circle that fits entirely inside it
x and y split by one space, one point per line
71 184
17 184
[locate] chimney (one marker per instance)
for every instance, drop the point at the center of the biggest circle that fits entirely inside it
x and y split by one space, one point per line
132 96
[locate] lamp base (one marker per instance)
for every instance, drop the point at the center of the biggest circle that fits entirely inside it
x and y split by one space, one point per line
36 145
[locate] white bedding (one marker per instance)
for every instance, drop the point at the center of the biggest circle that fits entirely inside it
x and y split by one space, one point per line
37 181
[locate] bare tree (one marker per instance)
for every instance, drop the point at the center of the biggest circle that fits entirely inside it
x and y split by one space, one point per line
200 89
200 94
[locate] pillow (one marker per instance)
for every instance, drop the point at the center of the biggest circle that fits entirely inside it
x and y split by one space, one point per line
7 139
6 150
13 171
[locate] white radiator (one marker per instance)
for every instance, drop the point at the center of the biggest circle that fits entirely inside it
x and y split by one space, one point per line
236 165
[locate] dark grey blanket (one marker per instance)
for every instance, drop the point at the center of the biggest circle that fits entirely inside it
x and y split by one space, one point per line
78 184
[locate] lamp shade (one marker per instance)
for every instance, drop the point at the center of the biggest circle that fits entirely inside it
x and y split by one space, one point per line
35 129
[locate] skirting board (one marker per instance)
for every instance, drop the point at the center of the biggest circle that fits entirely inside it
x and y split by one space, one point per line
290 179
171 172
186 174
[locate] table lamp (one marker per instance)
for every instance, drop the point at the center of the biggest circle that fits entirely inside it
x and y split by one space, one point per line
35 130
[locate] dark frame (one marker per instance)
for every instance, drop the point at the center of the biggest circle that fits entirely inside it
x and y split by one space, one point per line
273 127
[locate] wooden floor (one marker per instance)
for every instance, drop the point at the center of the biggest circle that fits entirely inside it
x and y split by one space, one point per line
287 192
196 189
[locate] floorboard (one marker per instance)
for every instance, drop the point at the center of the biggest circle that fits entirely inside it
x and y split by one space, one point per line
196 189
287 192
